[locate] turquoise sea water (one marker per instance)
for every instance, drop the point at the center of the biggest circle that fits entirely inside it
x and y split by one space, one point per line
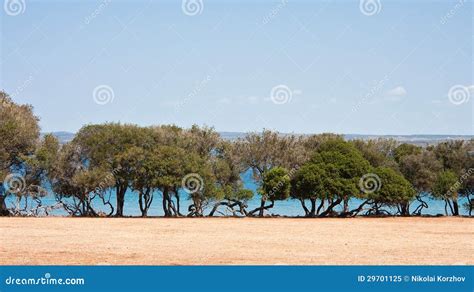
284 208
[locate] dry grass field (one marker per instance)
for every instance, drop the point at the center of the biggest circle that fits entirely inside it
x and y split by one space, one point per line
232 241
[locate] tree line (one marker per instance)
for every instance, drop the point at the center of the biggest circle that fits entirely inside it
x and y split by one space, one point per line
322 172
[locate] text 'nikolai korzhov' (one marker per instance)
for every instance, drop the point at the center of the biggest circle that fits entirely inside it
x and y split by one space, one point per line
437 278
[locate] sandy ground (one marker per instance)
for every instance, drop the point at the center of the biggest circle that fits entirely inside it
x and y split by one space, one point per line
253 241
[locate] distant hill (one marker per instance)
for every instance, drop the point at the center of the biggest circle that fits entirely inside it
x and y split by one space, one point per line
65 137
421 140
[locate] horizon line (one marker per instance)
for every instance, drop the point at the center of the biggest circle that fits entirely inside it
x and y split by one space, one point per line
293 133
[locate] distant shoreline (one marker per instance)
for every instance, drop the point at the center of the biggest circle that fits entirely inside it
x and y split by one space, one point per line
418 139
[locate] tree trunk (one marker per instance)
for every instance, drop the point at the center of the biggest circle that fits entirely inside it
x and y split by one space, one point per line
121 189
346 205
313 207
90 211
321 206
448 203
148 201
165 202
262 208
306 211
196 209
405 209
231 204
214 209
140 203
3 206
420 207
470 206
356 211
242 207
330 207
171 207
145 200
455 207
177 204
377 209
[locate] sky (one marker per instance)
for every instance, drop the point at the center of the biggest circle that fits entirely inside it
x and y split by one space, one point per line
365 67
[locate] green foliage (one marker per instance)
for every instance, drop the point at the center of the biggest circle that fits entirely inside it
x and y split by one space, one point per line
452 155
343 166
242 195
379 152
263 151
172 164
19 132
309 182
447 188
394 188
447 185
420 170
37 166
276 184
406 149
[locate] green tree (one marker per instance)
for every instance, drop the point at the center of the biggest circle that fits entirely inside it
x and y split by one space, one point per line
36 168
76 184
467 176
344 165
420 170
452 155
106 147
263 151
394 191
172 165
202 140
446 187
19 133
143 176
226 169
379 152
406 149
308 184
275 187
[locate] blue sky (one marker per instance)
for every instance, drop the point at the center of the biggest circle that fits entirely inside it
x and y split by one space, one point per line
292 66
